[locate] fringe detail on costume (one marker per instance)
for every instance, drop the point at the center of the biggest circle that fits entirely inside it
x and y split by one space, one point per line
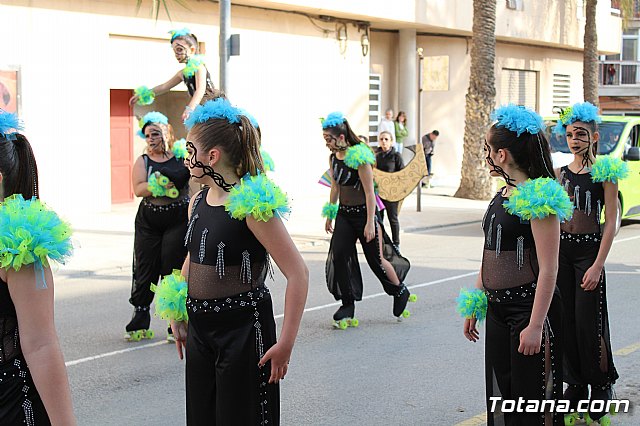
189 234
576 196
587 203
520 252
203 245
498 239
28 412
490 230
599 211
269 266
220 260
245 268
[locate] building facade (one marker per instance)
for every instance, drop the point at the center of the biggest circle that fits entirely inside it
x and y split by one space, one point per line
77 63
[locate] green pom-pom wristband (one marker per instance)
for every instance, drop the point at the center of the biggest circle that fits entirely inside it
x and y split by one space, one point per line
145 95
330 210
472 304
171 297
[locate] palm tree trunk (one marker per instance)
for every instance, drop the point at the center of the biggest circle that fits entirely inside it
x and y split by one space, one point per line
590 61
475 181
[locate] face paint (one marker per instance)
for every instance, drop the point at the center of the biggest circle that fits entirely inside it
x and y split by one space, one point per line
497 169
580 143
206 169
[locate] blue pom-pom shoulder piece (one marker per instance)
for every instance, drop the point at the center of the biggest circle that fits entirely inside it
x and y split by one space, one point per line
171 297
9 124
179 33
609 169
180 149
539 198
333 119
585 112
192 65
358 155
472 304
259 197
269 165
219 108
518 119
330 210
30 233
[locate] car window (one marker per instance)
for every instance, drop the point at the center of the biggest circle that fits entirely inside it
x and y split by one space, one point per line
609 136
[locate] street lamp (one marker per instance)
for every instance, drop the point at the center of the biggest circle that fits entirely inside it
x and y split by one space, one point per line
420 52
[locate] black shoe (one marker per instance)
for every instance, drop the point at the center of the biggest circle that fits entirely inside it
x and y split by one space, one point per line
601 393
140 320
345 312
574 394
400 300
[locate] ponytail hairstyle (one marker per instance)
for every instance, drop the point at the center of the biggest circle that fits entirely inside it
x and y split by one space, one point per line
17 162
185 35
218 124
520 130
336 124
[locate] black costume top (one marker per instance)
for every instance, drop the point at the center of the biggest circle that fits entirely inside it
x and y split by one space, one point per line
389 161
173 169
587 197
509 258
351 191
9 338
225 257
190 82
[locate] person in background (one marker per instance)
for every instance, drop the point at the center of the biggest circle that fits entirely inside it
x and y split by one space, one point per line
388 125
401 131
390 161
429 143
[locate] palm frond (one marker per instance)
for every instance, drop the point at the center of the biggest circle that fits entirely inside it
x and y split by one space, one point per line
156 5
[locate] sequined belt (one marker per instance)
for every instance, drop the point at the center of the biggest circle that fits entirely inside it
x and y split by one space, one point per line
165 208
513 294
352 209
223 304
580 238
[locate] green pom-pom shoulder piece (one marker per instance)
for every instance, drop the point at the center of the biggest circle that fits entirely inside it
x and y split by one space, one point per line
609 169
257 196
180 149
358 155
472 304
330 210
171 297
145 95
539 198
31 233
192 65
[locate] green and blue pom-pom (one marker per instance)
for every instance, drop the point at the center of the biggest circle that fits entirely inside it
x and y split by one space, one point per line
257 196
472 304
219 108
157 185
518 119
269 165
9 124
179 33
358 155
145 95
335 118
539 198
31 233
180 149
192 65
171 297
330 210
582 111
609 169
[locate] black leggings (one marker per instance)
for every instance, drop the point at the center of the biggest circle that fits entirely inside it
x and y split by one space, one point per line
391 207
510 374
158 246
224 384
587 345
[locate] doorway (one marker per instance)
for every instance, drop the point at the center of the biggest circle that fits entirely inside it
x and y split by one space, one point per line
121 125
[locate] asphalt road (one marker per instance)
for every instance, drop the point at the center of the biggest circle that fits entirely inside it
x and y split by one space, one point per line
421 371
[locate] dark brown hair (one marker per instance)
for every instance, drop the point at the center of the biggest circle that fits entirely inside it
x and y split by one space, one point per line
190 39
344 129
18 167
530 153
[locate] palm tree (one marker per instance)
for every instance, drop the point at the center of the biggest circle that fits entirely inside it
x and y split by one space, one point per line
590 54
155 7
475 182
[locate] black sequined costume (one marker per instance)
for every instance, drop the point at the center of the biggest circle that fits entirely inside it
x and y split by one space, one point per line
344 278
509 277
231 322
588 359
20 403
190 82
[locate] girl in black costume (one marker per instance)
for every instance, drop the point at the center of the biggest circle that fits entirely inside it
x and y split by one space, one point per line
523 345
34 389
161 178
355 219
234 364
592 184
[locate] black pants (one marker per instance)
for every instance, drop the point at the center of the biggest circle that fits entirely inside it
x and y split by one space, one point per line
391 207
158 246
510 374
20 403
344 278
587 345
224 384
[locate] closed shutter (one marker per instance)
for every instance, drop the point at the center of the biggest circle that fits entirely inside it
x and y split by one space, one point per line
375 90
561 90
519 87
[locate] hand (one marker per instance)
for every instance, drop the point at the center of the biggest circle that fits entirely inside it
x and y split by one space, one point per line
369 231
470 330
133 100
530 340
328 226
279 355
591 278
186 113
179 330
170 185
